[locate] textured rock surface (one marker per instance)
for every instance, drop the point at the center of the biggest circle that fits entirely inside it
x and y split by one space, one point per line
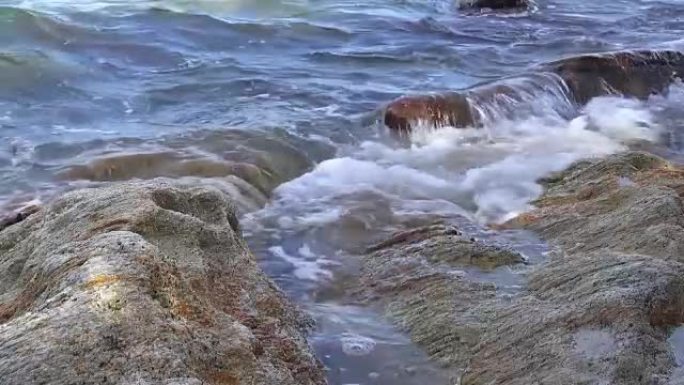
599 311
146 283
598 318
627 202
417 277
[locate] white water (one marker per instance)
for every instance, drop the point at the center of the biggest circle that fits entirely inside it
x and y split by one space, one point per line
486 176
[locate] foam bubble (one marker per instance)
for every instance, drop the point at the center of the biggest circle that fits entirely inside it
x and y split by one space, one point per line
357 345
309 270
621 119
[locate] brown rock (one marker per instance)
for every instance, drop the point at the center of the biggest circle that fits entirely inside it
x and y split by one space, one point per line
633 74
451 109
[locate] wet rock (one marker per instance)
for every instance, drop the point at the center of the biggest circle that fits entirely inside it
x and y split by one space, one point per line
600 310
14 218
633 74
549 334
572 82
630 202
475 106
493 4
451 109
143 282
416 277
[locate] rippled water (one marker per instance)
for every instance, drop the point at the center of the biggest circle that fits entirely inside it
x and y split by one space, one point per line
187 88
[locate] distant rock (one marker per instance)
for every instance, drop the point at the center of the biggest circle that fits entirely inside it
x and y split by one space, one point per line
638 74
143 283
493 4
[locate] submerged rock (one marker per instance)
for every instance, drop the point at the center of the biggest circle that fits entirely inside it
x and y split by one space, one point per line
143 283
574 81
262 161
599 311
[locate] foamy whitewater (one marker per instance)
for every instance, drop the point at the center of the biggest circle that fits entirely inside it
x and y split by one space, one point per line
481 175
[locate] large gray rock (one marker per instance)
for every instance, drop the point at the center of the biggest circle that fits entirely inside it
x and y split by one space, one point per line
598 311
146 283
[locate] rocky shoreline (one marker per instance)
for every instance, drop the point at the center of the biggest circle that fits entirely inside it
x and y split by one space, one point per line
150 281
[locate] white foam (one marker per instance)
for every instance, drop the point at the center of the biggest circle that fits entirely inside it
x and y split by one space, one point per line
357 345
309 270
489 174
626 119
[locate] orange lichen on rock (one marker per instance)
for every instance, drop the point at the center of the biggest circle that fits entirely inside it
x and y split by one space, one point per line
101 280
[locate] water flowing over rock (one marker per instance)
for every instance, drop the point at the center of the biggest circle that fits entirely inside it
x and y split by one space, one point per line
143 283
636 74
598 311
571 82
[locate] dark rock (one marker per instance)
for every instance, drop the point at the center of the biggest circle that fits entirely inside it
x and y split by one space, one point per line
633 74
493 4
574 80
17 217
